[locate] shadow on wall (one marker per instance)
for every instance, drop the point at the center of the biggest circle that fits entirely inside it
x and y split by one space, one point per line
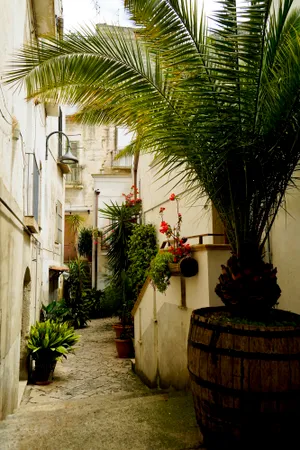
25 325
161 321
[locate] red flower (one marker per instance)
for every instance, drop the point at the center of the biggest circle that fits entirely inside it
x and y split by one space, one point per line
162 210
164 227
179 214
172 197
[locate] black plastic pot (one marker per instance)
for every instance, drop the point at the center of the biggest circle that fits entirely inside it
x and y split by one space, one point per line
43 373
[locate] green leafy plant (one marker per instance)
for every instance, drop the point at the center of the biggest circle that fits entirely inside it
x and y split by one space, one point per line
142 249
159 272
116 235
75 222
57 310
222 106
50 340
79 286
85 242
113 298
95 304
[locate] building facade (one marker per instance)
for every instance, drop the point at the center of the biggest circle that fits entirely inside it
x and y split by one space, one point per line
31 198
98 178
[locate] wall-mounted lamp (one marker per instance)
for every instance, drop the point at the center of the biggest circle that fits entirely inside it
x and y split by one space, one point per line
68 157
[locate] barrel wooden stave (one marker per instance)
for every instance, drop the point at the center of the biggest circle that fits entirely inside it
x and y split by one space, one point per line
238 394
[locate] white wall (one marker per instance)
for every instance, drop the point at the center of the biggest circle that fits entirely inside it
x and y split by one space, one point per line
20 250
161 321
96 150
285 248
111 188
155 192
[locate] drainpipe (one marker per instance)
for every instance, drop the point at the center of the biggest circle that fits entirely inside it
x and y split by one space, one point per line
97 193
135 169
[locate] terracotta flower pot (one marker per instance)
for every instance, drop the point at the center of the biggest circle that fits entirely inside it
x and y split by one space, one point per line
119 329
124 348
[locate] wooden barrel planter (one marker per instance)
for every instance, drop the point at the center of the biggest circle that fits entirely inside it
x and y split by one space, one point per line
245 381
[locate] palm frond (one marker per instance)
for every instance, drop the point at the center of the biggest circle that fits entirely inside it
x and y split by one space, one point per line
220 107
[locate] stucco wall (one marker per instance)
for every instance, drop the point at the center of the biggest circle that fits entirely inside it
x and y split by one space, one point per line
285 248
111 185
23 130
161 322
155 191
96 147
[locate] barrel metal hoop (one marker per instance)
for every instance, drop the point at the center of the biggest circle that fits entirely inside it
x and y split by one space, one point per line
243 394
246 355
242 332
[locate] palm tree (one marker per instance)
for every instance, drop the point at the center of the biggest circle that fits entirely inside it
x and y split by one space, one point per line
219 105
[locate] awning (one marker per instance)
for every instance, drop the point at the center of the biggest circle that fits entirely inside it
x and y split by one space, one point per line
59 268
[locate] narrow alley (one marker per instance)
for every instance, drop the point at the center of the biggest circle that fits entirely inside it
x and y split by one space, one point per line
97 402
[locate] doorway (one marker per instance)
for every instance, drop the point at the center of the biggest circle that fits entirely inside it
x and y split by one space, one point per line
25 326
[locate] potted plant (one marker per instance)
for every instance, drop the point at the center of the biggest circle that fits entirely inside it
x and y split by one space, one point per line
47 343
123 219
124 338
182 262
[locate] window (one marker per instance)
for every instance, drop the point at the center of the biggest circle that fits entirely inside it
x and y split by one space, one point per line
123 138
59 223
32 187
76 171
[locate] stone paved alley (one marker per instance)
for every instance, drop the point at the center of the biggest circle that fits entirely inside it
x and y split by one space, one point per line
97 402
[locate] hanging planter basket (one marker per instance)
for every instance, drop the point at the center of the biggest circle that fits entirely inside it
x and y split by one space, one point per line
187 267
174 267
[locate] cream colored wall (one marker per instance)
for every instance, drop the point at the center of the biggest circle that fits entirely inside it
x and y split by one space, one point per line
111 186
285 247
161 323
155 192
19 249
96 150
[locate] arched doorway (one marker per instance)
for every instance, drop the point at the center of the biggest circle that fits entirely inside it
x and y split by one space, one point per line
25 325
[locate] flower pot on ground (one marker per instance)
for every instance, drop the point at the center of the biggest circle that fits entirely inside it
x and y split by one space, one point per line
124 347
119 329
43 371
49 342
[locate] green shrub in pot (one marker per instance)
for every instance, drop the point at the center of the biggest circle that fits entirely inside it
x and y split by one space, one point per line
49 342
